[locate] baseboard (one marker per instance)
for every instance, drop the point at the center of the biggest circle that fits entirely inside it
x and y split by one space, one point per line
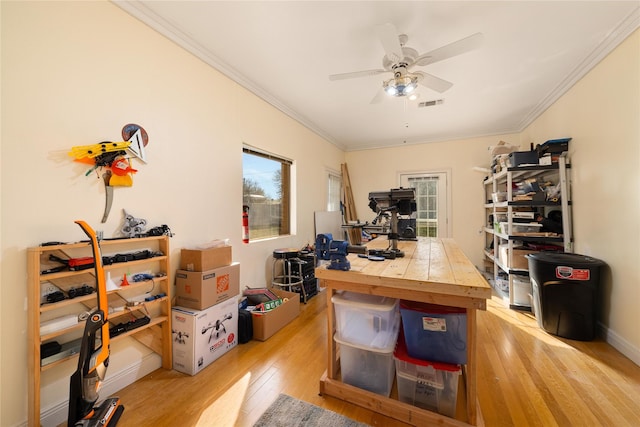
57 414
620 344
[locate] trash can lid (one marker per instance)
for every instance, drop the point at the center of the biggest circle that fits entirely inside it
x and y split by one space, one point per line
566 259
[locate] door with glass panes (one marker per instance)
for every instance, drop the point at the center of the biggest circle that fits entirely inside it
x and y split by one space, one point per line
431 202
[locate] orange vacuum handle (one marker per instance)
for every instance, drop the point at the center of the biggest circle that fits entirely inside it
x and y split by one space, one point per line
101 291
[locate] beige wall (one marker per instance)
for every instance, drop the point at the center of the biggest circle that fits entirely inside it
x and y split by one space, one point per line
602 114
73 73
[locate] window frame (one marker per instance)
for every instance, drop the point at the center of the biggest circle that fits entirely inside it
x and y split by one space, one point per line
332 174
285 225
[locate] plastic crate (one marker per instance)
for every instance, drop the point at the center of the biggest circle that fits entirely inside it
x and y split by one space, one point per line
371 369
519 227
428 385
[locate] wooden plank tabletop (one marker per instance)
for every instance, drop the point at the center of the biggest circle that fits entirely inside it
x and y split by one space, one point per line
430 266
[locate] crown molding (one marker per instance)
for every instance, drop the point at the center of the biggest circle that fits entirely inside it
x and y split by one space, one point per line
139 10
147 16
624 29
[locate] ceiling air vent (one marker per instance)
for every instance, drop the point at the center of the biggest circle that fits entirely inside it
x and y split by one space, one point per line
430 103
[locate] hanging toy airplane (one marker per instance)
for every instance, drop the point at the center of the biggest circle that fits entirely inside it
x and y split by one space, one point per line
115 158
94 150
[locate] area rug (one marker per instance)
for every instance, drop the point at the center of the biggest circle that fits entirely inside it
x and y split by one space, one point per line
286 411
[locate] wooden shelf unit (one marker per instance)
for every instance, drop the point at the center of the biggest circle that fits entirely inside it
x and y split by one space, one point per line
156 334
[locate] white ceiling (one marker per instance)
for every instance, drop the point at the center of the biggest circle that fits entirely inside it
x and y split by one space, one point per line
284 51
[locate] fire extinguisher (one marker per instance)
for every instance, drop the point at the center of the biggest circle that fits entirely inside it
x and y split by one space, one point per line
245 224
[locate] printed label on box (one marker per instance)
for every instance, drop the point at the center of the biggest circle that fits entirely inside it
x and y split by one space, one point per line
202 336
202 289
222 283
222 343
430 377
564 272
426 395
434 324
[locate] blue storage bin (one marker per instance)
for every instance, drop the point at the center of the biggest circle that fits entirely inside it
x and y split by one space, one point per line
434 332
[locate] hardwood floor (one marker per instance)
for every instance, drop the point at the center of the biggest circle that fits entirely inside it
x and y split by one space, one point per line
526 377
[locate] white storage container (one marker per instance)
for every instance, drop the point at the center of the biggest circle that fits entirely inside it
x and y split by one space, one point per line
521 290
427 385
500 196
367 320
520 227
371 369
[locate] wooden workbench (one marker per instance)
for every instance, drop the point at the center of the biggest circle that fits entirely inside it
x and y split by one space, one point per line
433 270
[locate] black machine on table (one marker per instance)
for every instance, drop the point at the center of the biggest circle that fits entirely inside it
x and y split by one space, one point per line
94 358
397 201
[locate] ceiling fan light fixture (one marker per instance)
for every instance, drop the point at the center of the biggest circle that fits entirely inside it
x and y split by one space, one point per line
409 88
390 89
401 85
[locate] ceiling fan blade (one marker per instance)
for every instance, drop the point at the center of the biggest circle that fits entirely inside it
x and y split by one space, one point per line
355 74
380 95
390 42
459 47
433 82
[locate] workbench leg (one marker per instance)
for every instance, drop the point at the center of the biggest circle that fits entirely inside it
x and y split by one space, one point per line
472 408
332 368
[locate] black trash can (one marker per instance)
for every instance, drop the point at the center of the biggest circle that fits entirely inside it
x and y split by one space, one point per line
565 292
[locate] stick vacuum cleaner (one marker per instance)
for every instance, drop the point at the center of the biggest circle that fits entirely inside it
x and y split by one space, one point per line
94 358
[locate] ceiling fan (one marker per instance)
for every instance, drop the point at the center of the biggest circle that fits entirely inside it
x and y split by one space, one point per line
400 59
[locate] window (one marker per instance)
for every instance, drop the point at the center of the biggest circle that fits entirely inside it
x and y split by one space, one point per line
334 188
431 200
266 190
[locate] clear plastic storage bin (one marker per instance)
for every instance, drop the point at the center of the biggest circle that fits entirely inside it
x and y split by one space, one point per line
500 196
366 320
371 369
522 290
519 227
427 385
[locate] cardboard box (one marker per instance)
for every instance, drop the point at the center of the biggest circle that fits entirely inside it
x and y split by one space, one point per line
202 336
519 260
205 259
267 324
202 289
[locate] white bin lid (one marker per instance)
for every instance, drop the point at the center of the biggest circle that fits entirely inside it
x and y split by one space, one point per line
366 301
385 350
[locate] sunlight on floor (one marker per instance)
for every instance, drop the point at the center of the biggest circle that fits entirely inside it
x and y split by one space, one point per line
224 411
523 321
